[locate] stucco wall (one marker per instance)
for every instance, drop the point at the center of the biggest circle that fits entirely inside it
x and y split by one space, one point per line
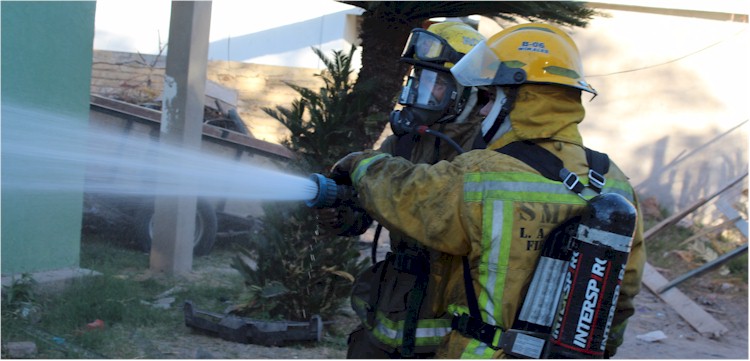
46 63
670 87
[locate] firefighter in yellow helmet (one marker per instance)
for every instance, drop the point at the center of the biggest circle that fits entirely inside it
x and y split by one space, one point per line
397 298
493 208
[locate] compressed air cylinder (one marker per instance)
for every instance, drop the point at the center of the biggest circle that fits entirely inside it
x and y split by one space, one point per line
540 304
529 336
591 283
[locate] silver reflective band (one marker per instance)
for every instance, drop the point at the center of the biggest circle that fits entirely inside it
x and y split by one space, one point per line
528 346
545 290
594 236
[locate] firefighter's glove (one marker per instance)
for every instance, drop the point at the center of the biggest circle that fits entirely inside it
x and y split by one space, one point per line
344 220
329 220
341 171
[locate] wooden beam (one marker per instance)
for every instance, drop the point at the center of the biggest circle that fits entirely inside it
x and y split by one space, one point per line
698 318
710 230
680 215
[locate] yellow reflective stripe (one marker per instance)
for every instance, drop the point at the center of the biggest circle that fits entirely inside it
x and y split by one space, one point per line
475 348
390 332
622 188
498 191
361 168
454 309
430 332
496 225
514 186
530 187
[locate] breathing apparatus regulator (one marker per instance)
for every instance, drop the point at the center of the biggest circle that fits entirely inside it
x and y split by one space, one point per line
429 96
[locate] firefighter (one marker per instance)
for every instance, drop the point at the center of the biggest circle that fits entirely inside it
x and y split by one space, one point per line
397 297
492 208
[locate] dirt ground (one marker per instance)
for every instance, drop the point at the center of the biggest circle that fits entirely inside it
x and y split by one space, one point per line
729 307
681 342
727 303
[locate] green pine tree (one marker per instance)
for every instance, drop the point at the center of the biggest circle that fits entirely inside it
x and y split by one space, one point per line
292 271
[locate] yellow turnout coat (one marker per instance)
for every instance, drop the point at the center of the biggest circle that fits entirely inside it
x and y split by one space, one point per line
496 210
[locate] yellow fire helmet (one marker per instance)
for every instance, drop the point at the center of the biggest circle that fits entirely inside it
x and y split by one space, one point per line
525 53
441 44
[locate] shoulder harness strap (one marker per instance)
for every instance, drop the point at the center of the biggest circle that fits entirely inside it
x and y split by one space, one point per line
551 167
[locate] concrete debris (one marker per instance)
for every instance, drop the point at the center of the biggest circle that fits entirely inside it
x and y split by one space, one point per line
653 336
162 303
22 349
169 292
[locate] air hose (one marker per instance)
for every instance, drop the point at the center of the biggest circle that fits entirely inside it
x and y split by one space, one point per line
423 129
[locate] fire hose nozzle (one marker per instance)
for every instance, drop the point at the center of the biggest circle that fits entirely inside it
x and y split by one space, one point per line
329 194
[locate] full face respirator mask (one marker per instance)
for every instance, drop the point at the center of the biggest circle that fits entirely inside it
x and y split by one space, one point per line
425 97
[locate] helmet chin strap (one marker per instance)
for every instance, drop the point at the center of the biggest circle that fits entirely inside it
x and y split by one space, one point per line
504 128
469 106
497 122
489 120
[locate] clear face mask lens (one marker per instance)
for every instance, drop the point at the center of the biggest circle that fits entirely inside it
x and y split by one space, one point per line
408 92
426 85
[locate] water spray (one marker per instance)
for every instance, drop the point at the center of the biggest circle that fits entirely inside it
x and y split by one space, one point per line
44 155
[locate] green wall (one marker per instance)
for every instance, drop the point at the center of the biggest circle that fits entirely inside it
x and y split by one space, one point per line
46 71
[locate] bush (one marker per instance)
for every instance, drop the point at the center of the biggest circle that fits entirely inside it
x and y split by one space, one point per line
290 270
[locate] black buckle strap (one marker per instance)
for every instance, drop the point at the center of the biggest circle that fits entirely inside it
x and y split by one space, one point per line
598 167
478 329
415 264
596 180
571 181
551 167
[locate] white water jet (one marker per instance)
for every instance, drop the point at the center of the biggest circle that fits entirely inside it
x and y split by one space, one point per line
43 153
